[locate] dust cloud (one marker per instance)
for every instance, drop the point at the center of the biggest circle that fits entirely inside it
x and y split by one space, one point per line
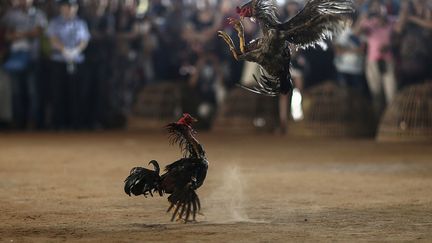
227 203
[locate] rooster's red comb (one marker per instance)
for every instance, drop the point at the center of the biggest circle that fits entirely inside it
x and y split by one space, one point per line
186 119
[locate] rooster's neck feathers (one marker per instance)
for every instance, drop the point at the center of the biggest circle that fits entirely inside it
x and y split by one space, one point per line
183 136
265 12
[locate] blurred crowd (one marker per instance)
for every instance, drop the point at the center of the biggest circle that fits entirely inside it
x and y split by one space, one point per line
80 64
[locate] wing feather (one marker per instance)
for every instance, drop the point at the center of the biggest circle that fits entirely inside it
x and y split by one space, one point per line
318 20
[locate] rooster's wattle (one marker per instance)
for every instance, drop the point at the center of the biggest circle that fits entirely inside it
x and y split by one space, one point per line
318 20
180 179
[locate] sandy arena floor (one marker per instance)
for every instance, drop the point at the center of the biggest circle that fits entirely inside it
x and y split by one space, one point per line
260 188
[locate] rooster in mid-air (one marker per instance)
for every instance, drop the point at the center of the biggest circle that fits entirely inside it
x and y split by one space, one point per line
180 179
318 20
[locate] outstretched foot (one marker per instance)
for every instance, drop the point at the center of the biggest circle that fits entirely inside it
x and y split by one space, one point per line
238 26
229 42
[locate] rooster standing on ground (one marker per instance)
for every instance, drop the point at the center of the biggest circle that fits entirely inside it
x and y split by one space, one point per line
318 20
180 179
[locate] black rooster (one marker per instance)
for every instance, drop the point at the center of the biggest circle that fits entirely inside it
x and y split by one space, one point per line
318 20
180 179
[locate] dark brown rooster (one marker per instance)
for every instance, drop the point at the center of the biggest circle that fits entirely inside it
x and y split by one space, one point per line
180 179
318 20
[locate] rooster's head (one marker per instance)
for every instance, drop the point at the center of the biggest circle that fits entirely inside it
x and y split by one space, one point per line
245 11
186 120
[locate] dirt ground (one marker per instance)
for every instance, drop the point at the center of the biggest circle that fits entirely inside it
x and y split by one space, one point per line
260 188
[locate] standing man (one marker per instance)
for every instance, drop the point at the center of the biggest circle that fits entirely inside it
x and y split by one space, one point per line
377 26
24 25
69 36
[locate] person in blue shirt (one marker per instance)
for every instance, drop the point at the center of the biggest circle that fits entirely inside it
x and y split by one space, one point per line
24 25
69 36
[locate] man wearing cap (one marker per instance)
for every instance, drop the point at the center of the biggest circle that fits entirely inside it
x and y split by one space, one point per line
69 36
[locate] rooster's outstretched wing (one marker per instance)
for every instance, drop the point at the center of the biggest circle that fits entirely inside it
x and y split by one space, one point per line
318 20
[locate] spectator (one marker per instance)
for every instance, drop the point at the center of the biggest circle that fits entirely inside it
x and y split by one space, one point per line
5 90
147 44
202 98
99 67
349 59
317 65
377 27
412 42
139 42
69 36
5 101
24 25
291 9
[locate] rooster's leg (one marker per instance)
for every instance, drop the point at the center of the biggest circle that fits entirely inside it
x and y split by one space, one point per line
229 42
238 26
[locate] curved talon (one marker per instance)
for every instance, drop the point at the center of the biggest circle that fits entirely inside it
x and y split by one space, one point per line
229 42
226 38
238 26
232 20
